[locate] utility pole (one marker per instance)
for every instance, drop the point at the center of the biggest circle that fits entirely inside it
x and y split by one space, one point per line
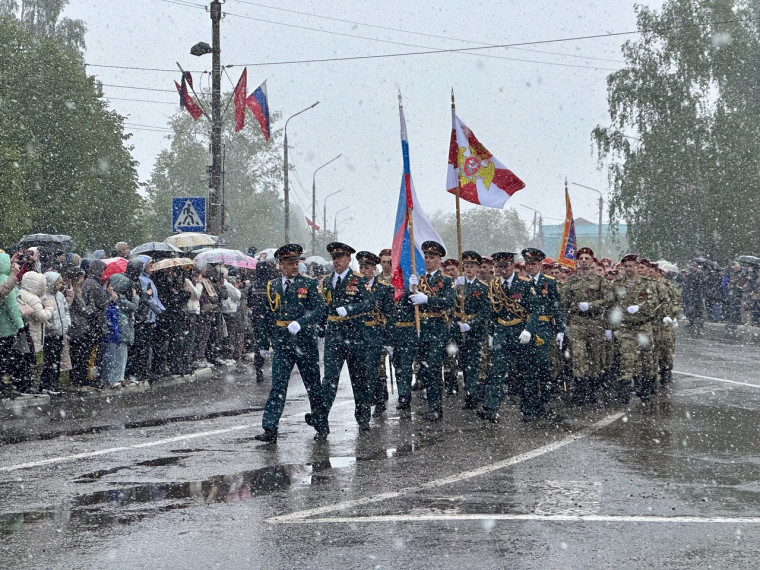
215 211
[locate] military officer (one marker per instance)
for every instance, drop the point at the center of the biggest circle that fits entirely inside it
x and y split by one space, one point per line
293 309
348 301
546 323
451 365
637 306
586 298
471 315
433 294
508 295
376 323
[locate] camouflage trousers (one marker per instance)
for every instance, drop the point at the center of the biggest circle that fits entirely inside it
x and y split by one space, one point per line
637 352
587 347
665 346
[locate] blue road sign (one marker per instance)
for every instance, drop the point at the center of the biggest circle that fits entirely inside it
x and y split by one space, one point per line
188 214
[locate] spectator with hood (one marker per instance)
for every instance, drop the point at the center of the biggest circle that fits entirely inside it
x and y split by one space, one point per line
10 325
120 316
55 329
95 301
35 313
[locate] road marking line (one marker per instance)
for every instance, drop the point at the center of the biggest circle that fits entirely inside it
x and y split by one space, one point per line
298 516
716 379
531 518
87 454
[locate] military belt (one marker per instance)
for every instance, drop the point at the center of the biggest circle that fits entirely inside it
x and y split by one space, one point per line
431 315
545 318
339 319
404 324
283 323
370 323
464 316
510 323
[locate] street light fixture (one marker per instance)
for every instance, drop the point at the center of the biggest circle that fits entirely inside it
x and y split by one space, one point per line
335 221
348 219
285 169
601 207
324 209
314 204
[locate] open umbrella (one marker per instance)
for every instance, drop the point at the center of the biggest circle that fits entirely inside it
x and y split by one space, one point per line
266 253
190 240
748 259
318 259
155 249
231 257
114 265
49 241
173 262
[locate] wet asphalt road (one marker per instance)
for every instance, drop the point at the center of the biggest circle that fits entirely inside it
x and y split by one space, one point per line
173 479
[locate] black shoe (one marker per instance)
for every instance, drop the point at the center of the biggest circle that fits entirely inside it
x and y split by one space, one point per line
307 419
403 404
452 391
416 386
469 404
431 416
364 427
489 415
269 436
322 435
259 376
379 411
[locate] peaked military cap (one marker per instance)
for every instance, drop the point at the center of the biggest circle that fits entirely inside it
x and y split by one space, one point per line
533 254
337 247
471 257
434 247
502 256
367 257
288 252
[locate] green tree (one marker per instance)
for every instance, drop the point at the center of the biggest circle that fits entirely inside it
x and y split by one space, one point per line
64 150
252 180
683 147
485 230
42 18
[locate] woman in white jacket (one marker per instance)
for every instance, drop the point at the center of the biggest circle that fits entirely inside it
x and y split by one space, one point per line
192 311
35 312
55 329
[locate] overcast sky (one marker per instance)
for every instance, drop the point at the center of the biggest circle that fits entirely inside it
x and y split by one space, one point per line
533 107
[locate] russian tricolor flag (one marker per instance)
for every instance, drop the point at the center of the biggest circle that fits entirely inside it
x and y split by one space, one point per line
401 253
258 103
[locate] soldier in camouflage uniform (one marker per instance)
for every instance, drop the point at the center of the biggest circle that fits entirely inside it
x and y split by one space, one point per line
586 297
666 324
637 306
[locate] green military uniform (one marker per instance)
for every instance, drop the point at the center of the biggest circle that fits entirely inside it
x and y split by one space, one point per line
302 304
430 345
472 312
509 314
586 299
638 302
346 337
665 343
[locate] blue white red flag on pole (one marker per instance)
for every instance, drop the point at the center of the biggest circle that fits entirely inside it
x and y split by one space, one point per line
258 103
401 253
568 247
480 176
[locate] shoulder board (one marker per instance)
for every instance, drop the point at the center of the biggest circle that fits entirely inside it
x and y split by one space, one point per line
549 277
356 274
523 278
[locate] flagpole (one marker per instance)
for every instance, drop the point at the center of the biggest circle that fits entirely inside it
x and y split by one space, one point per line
194 93
459 217
411 240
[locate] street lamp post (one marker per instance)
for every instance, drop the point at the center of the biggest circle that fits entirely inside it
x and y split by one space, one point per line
335 221
285 169
314 205
540 225
324 210
601 208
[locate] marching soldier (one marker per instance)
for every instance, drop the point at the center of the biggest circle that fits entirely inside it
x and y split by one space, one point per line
546 317
433 294
471 316
637 304
586 299
294 308
508 295
665 323
348 301
376 322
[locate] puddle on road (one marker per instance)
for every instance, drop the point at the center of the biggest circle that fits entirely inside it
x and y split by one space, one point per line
128 504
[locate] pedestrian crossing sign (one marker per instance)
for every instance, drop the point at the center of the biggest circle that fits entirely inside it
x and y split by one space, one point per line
188 214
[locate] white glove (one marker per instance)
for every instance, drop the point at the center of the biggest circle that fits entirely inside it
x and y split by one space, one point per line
413 282
389 350
560 339
341 311
525 337
608 334
583 307
294 327
633 309
419 298
264 353
460 281
464 327
667 320
675 323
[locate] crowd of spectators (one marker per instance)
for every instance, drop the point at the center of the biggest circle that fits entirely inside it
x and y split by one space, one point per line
70 323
